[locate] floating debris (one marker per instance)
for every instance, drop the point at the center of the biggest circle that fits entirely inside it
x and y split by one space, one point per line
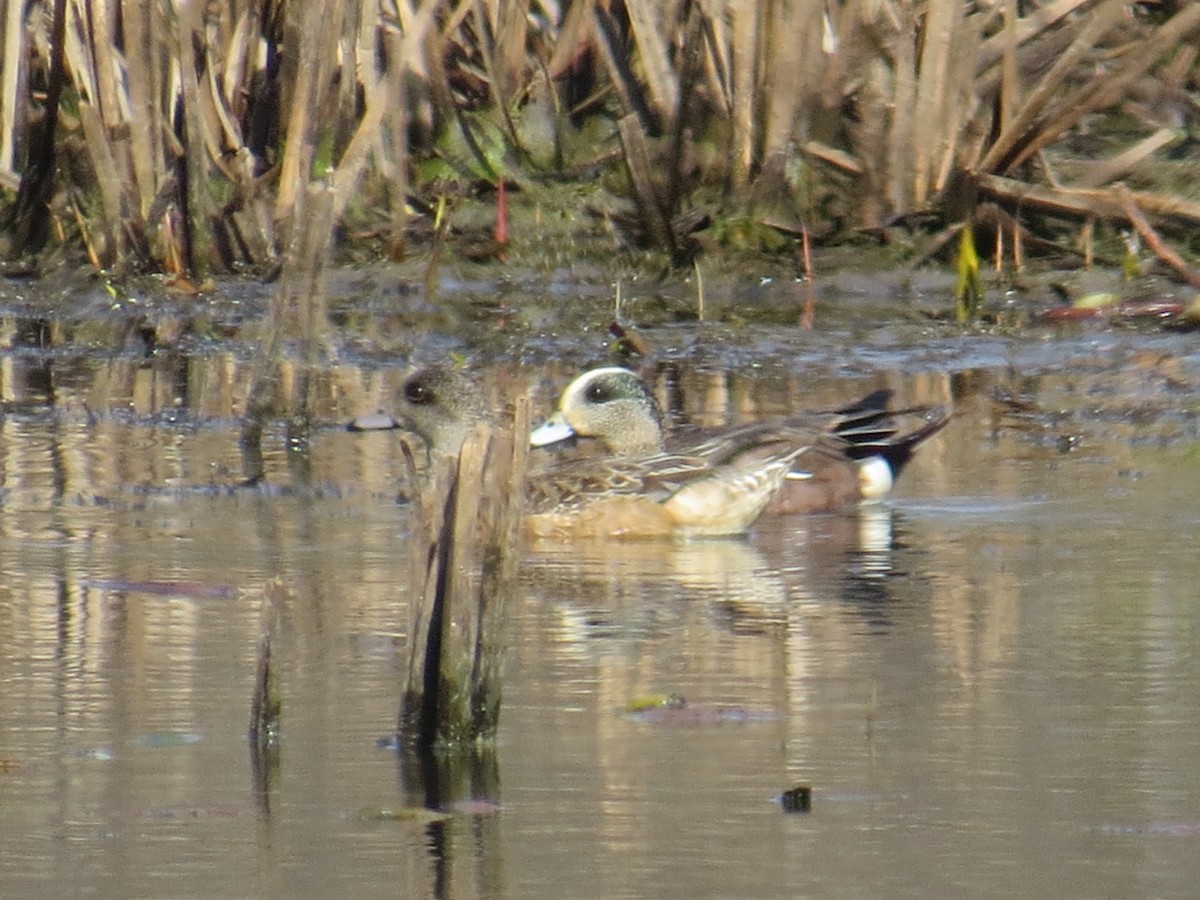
673 709
797 800
160 739
1185 828
99 754
420 814
475 807
191 589
655 701
188 813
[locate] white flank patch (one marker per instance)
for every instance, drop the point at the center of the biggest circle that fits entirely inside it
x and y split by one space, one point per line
875 478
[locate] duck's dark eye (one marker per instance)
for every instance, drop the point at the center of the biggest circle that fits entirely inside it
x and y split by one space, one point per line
418 393
598 392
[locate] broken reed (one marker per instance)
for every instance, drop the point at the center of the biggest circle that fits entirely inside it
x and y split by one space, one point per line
465 550
185 136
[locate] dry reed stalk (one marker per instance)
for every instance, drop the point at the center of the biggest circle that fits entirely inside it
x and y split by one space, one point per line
1151 238
1082 204
98 70
11 83
1021 30
1103 171
1027 124
744 35
652 212
195 212
510 60
606 35
959 108
933 127
392 152
108 180
315 38
651 35
898 146
403 46
717 60
1109 88
145 70
1008 40
791 60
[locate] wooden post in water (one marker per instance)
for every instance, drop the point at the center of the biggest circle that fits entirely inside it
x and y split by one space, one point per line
466 548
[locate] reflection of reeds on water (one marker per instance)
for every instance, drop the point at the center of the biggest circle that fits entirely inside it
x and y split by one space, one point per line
465 552
266 706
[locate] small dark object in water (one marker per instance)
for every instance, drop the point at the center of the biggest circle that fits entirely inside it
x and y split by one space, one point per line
797 800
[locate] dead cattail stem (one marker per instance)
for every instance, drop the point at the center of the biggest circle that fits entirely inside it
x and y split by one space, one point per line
650 205
1151 237
1036 128
145 73
510 59
108 180
194 199
314 39
1106 170
1081 204
1037 23
897 148
651 35
620 71
931 128
1010 87
30 221
1011 141
11 77
790 54
744 36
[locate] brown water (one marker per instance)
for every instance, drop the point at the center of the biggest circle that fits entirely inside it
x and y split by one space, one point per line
991 684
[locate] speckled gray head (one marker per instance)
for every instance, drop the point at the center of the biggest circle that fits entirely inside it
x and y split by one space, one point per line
441 405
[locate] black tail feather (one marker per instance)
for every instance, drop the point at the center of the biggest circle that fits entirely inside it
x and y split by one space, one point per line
871 429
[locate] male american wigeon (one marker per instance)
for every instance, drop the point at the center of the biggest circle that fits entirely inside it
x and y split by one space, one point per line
853 455
715 488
